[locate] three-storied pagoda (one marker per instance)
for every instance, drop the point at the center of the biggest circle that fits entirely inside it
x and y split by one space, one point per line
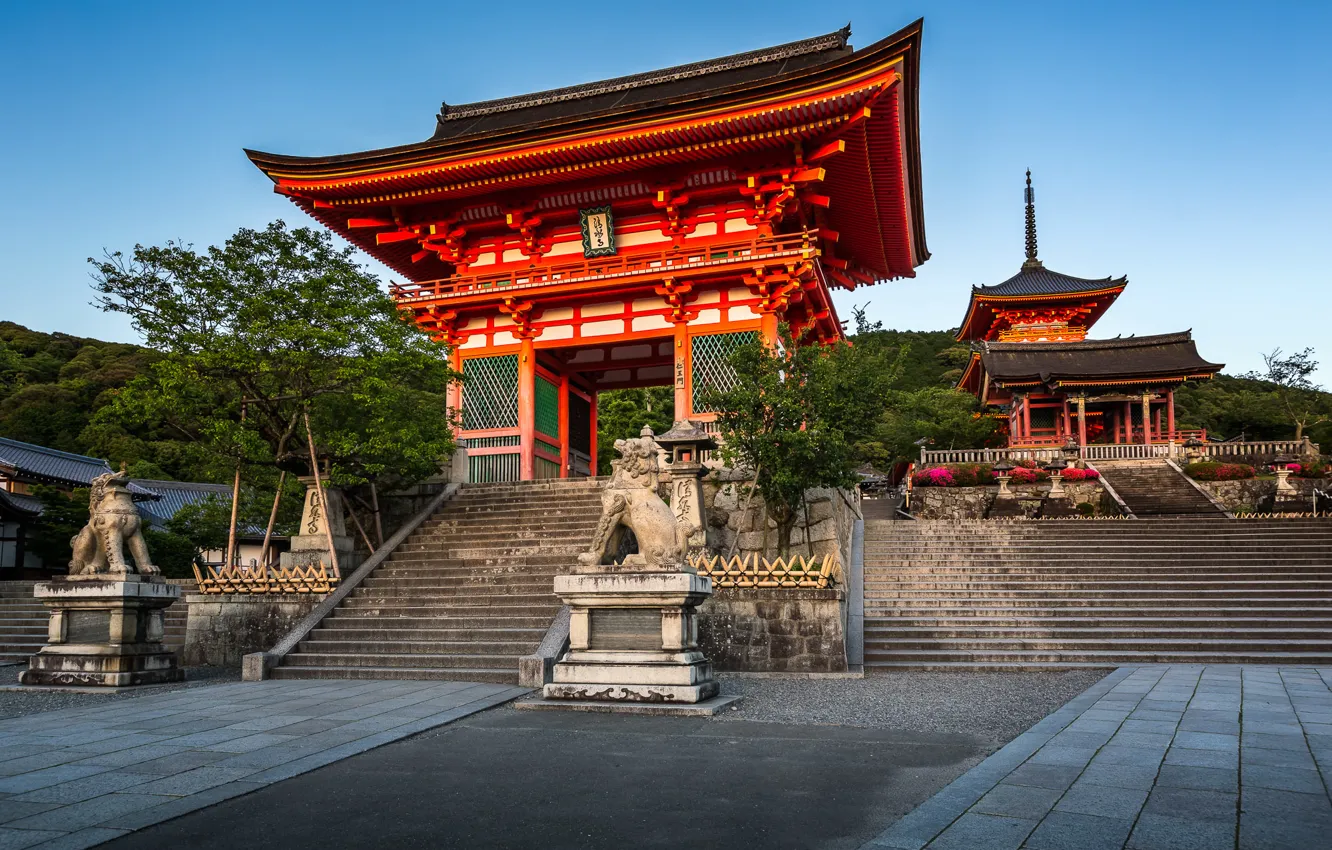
1031 360
633 232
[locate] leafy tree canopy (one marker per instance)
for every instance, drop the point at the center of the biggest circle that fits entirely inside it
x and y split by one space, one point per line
621 414
284 321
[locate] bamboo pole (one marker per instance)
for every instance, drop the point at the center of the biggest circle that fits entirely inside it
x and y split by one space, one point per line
323 498
369 547
374 503
235 505
272 519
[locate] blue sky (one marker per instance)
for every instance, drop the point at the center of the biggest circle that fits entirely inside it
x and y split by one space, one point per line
1183 144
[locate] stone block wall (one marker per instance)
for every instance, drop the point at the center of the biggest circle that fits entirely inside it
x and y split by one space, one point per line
774 630
223 628
737 519
1257 494
973 502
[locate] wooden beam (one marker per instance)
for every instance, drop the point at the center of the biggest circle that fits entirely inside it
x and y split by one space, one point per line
832 148
396 236
354 223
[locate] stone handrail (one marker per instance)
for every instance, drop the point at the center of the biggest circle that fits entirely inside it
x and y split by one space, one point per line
1261 447
255 666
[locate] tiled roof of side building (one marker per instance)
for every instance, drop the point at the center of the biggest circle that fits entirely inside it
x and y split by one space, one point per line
1163 354
1042 281
43 465
20 504
641 89
174 495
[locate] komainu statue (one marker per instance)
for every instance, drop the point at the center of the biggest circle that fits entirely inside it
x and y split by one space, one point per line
630 504
113 523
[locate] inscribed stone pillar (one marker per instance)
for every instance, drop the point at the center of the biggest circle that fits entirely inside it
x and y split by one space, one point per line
310 544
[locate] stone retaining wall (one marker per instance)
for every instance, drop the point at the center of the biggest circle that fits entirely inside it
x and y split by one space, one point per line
736 519
974 502
774 630
1248 495
222 628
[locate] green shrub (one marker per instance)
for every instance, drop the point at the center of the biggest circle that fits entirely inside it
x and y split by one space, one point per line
172 553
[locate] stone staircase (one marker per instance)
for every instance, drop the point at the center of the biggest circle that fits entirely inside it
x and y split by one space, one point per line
1092 593
465 596
1153 488
23 621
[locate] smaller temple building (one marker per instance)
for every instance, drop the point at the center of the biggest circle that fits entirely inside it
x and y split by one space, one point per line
1033 363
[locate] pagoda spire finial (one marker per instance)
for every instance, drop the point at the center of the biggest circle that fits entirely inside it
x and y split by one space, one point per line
1031 262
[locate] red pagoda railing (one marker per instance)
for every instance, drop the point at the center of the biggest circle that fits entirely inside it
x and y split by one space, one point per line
629 264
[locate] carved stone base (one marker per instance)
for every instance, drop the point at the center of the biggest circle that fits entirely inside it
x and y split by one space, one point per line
633 637
105 632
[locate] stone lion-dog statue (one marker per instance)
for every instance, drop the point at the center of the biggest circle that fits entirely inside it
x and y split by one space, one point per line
631 502
113 523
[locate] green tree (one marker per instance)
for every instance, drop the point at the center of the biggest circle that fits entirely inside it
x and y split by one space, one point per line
62 517
794 416
945 418
1291 379
281 322
621 414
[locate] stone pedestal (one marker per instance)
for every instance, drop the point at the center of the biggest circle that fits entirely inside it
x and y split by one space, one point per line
104 631
633 637
310 545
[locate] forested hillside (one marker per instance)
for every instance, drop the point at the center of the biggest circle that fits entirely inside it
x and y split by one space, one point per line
52 385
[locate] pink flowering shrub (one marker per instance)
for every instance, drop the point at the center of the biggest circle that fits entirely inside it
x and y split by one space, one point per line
1317 469
1076 474
935 476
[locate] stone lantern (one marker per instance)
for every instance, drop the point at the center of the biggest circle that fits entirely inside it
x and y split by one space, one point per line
1193 449
1284 489
1072 451
1056 469
1003 471
685 443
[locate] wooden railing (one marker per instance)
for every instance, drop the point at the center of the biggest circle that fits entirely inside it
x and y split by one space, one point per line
753 571
630 263
312 579
1121 451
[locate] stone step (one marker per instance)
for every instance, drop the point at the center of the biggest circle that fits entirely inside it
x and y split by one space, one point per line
529 637
465 674
1084 590
1113 658
401 661
1107 602
487 648
341 619
1265 630
1039 608
508 582
1075 645
409 607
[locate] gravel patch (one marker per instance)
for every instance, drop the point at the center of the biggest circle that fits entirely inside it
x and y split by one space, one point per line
993 706
18 703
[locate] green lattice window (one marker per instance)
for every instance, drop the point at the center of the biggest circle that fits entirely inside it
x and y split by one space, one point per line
1043 418
711 358
490 392
547 408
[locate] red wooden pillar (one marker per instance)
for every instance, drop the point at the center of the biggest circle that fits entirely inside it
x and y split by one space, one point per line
1068 420
683 373
1170 413
1026 417
592 439
455 391
768 327
1128 422
526 411
564 425
1082 420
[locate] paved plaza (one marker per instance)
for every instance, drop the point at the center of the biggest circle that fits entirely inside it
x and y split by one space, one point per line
1152 758
79 777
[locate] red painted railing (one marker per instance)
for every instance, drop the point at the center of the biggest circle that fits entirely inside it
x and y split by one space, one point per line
631 262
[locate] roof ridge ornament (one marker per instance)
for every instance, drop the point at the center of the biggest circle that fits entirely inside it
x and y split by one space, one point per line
1030 195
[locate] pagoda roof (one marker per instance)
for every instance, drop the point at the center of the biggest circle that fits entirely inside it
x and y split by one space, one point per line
1162 358
817 92
1035 285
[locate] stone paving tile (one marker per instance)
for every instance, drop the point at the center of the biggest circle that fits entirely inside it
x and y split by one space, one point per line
77 778
1197 758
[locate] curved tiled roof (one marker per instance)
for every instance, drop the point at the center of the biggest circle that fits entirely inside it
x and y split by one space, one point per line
174 495
650 86
30 462
1041 281
20 503
1165 355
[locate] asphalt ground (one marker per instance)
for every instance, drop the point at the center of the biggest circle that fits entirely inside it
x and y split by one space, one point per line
509 779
